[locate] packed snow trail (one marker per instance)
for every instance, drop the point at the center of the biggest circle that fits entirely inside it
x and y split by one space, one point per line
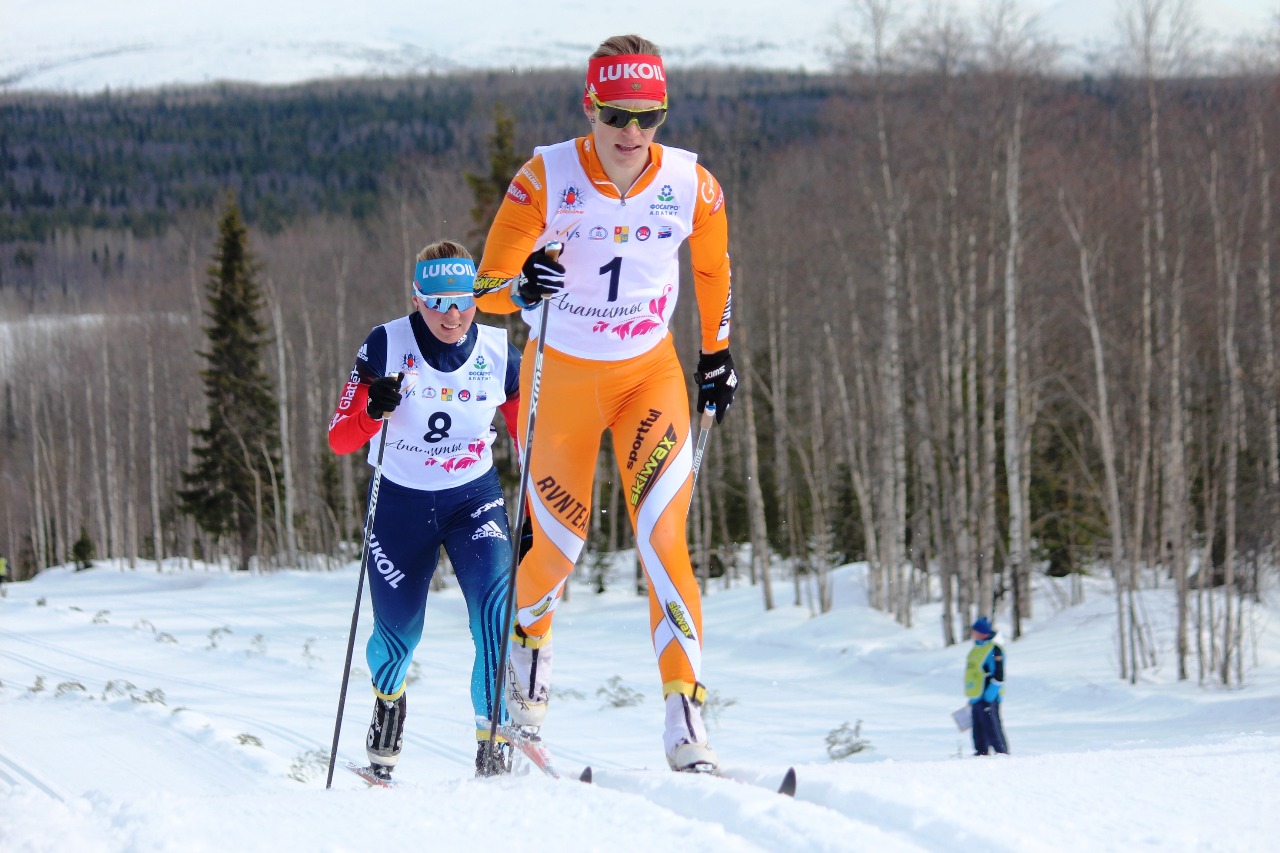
193 709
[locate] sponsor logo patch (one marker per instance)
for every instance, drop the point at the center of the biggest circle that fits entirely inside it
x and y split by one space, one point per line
558 499
641 432
570 200
653 466
489 530
676 612
518 194
488 506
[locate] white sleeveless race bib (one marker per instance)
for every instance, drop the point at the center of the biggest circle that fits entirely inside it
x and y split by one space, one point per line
441 434
622 259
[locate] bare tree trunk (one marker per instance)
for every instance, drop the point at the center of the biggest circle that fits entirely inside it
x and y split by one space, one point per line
1018 559
1101 417
855 451
814 465
153 450
1270 403
112 544
755 498
130 486
39 543
1227 262
98 499
349 511
290 543
785 496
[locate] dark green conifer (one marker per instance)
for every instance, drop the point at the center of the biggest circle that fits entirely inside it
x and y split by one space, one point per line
229 493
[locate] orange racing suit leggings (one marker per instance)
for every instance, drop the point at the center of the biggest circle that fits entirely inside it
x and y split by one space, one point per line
643 401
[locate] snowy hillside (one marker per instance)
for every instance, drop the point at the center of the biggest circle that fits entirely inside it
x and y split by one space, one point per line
191 709
68 45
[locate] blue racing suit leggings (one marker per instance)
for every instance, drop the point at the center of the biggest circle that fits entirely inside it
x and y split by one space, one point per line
409 527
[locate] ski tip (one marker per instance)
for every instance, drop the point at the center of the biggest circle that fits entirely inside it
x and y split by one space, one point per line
788 786
585 775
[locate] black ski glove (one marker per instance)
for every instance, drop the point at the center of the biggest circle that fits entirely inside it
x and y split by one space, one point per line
384 396
716 380
540 278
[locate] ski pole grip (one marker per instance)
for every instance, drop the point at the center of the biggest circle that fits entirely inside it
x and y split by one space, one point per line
708 416
553 250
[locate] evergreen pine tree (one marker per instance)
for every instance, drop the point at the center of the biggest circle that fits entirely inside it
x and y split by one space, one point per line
488 189
229 493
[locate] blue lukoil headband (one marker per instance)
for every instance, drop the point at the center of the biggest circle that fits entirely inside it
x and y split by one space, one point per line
443 275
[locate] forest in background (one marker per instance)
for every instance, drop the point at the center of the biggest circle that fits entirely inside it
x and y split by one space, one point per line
989 320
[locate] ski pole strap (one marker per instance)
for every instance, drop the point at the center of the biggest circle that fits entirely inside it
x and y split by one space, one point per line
519 636
696 691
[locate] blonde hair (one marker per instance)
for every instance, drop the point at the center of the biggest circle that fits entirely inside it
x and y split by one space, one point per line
444 249
623 45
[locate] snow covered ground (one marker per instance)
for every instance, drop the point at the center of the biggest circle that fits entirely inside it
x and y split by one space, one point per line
70 45
192 710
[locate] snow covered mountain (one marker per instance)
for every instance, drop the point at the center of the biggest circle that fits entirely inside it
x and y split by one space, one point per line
73 46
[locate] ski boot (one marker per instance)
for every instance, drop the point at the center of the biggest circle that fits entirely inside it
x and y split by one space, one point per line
498 764
528 679
685 738
386 734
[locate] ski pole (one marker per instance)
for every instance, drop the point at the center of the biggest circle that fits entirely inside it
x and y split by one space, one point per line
553 250
355 613
704 432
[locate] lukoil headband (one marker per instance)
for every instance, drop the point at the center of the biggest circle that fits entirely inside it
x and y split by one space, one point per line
444 275
631 75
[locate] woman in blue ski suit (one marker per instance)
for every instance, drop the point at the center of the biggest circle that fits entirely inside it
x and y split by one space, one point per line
436 378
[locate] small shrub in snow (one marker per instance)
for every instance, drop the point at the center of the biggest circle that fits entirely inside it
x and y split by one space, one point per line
259 645
248 740
100 618
843 742
167 638
216 634
38 686
117 688
618 695
309 765
68 687
309 656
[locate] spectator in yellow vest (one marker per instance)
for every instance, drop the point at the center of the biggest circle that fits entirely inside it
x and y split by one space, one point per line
4 569
984 685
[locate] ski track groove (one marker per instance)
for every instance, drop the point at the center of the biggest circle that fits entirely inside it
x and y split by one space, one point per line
115 666
26 776
763 819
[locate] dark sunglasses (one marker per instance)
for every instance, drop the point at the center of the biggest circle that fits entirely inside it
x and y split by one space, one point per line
619 118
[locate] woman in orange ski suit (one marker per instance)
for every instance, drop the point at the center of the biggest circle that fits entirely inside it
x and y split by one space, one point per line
621 205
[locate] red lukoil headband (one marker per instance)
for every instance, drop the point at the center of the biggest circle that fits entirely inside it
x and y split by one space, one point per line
632 75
